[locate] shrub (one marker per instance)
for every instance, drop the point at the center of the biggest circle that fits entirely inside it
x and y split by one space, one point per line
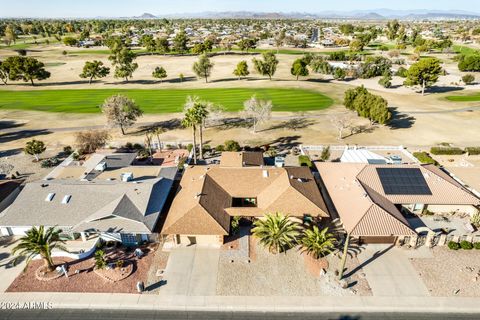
446 151
425 158
453 245
100 259
137 146
468 78
232 145
207 148
90 141
304 161
476 245
235 225
472 150
325 154
401 72
189 147
51 162
220 148
466 245
129 146
67 150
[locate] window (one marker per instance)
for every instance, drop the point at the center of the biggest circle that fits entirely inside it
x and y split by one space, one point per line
244 202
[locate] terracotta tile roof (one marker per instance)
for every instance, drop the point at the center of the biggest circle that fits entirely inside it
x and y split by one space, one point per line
241 159
364 208
204 203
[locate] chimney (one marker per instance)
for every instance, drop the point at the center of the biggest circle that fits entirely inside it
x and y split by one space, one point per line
265 173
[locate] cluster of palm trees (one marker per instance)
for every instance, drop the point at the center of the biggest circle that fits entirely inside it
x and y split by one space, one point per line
278 233
195 114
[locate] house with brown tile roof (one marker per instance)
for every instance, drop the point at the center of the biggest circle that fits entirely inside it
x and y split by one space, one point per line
241 159
210 196
369 198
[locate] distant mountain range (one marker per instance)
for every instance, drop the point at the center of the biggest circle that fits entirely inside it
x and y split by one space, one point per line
377 14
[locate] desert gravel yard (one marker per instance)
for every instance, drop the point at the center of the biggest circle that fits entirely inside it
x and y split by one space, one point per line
451 273
282 274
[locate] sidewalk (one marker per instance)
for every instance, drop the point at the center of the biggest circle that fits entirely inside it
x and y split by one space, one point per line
245 304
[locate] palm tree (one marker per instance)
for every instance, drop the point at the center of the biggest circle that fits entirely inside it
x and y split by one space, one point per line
190 121
201 112
158 131
40 242
318 242
276 232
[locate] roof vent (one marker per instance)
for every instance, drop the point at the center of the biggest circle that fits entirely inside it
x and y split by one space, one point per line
50 197
101 166
43 185
66 199
292 177
300 180
197 195
265 173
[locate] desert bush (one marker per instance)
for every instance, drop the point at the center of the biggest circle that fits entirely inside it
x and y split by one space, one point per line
466 245
476 245
220 148
232 145
472 150
304 161
453 245
90 141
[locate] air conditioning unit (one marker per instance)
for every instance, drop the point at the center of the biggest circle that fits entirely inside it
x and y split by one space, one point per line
126 177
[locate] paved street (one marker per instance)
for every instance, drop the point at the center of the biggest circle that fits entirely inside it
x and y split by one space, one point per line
390 272
191 271
212 315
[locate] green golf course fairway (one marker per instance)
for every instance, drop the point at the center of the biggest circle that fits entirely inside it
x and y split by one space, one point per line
161 100
467 98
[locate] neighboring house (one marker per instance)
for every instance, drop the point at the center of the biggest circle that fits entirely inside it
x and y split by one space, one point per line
113 202
241 159
210 196
370 199
9 190
361 156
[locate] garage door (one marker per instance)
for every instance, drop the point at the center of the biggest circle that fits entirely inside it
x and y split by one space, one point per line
366 240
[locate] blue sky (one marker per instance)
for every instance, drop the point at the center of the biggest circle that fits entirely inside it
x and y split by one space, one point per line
115 8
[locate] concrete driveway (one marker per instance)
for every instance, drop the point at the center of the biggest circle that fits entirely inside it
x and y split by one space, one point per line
390 272
8 272
191 271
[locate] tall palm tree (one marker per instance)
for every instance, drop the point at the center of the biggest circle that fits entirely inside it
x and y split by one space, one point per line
190 121
318 242
201 112
276 232
40 242
158 131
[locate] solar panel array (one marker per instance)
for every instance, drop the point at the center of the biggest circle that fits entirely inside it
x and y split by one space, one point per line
403 181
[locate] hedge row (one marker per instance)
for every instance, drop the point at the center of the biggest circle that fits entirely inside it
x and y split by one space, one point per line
472 150
465 245
425 158
446 151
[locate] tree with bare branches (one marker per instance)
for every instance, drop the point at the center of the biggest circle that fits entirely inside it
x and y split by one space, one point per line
257 110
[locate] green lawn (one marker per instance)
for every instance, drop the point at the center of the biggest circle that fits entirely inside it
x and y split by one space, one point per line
465 98
161 100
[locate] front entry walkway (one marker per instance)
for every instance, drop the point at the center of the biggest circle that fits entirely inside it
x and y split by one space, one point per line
191 271
8 270
390 273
